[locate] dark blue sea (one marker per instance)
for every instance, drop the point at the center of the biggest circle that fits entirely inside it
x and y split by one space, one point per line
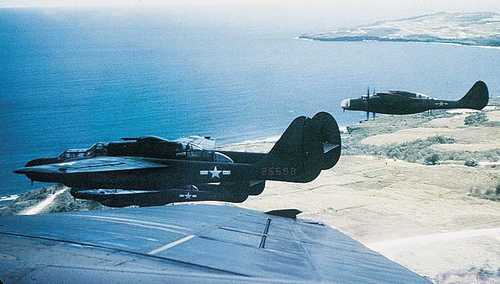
69 78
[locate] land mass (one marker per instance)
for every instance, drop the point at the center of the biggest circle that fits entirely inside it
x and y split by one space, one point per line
478 29
421 189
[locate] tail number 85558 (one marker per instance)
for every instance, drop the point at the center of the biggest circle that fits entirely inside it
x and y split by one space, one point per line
278 171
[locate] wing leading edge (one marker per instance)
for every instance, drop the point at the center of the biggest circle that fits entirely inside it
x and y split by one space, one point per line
97 164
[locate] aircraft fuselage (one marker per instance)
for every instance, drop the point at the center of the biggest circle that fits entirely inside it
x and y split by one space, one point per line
399 106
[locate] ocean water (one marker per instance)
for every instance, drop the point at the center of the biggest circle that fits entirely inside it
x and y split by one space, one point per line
69 78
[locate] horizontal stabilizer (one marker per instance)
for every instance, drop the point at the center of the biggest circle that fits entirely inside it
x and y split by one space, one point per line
286 213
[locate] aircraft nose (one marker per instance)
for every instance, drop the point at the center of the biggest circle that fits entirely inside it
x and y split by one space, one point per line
25 170
36 170
345 103
41 173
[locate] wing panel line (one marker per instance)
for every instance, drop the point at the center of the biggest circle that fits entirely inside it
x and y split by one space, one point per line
171 245
139 223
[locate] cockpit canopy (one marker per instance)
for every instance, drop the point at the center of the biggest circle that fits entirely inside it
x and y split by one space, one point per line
205 155
198 142
95 150
409 94
191 148
190 142
145 139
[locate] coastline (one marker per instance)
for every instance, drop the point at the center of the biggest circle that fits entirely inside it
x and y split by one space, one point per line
467 29
435 218
381 39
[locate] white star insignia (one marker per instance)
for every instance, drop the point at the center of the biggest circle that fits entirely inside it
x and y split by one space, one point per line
188 195
215 172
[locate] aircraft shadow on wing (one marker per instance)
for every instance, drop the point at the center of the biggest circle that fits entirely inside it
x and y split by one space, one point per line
149 170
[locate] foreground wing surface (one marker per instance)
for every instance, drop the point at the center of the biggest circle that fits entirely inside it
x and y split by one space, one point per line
185 244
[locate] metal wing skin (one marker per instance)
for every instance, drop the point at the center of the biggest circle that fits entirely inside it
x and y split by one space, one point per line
97 164
136 172
185 244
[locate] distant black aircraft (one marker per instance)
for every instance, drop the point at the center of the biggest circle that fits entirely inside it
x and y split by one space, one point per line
149 170
402 102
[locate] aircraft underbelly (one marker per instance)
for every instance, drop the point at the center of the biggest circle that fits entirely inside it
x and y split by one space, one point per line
155 179
182 193
405 108
136 179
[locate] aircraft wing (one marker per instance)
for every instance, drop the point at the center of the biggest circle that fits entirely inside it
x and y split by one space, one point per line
97 164
185 244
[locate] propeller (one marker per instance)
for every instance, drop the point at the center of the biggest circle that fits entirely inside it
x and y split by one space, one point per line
367 103
373 113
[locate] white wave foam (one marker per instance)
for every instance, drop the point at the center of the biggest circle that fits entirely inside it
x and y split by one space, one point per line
41 206
270 139
9 197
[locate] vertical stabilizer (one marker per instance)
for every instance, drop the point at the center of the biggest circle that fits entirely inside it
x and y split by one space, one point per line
308 146
476 98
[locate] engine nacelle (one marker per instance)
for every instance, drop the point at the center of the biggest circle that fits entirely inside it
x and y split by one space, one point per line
256 188
143 198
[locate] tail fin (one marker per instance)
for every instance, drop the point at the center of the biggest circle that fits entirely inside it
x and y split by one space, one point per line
308 146
476 98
